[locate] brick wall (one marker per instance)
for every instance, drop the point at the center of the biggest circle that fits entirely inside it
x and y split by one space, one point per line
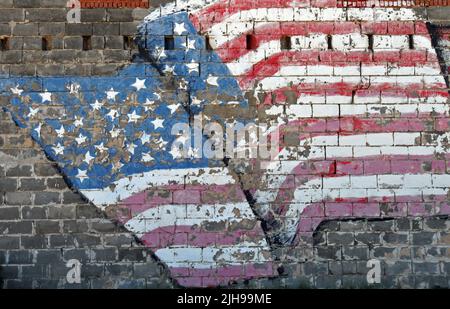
44 222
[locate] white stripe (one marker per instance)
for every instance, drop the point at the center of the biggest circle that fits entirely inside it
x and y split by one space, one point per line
130 185
178 6
187 215
245 252
257 18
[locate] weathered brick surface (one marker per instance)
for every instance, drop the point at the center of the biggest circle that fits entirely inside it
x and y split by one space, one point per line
43 223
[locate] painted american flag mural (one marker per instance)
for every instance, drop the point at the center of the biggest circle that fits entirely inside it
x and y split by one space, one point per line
356 95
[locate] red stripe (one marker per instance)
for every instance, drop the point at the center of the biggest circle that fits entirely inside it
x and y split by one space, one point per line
218 12
197 236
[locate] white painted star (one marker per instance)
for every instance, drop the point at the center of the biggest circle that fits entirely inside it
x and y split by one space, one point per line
131 148
192 67
173 107
88 158
59 149
73 88
111 94
33 111
161 143
212 80
78 122
158 123
139 84
38 129
147 158
16 90
148 104
195 101
81 138
60 131
46 96
145 138
133 117
115 133
113 114
191 43
179 28
101 147
97 105
176 152
160 53
82 174
168 69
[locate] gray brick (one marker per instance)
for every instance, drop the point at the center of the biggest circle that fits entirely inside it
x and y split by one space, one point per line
45 198
75 226
426 268
70 197
23 69
7 4
423 238
78 69
28 29
61 241
381 226
372 238
32 43
106 28
48 257
5 29
397 268
61 212
129 28
116 55
79 29
20 257
53 3
34 212
87 211
52 28
35 271
33 242
49 70
47 227
9 272
438 13
27 3
103 226
32 184
132 254
114 42
328 252
122 14
92 270
355 253
118 269
104 254
98 42
81 255
9 213
340 238
384 252
147 270
395 238
436 223
19 198
106 69
19 171
45 169
12 227
9 242
8 184
7 15
74 42
93 15
46 14
87 240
